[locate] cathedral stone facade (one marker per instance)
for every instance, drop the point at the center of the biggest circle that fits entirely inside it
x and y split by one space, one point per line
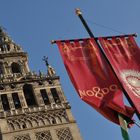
32 106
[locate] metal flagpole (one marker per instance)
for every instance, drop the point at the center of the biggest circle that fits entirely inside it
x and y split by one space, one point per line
123 123
79 13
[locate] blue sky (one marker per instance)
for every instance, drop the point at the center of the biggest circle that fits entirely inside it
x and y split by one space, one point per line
34 23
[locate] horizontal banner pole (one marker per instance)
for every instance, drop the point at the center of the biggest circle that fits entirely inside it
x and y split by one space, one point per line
96 38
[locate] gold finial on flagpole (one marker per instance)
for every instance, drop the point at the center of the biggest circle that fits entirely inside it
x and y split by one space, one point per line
52 41
78 11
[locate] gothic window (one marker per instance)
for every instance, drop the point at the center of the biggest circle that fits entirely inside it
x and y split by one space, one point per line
1 68
12 86
1 48
5 47
29 95
50 82
22 137
55 95
64 134
53 120
40 83
1 87
5 102
44 135
16 100
1 38
8 47
23 125
45 96
15 67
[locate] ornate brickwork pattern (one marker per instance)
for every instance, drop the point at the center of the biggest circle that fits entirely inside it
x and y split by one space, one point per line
37 119
64 134
22 137
44 135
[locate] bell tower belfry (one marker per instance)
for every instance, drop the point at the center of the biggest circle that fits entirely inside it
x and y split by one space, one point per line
32 106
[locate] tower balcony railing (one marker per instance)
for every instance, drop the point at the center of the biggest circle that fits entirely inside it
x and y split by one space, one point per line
33 109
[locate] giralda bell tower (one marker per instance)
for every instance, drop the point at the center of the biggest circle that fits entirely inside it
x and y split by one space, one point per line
32 106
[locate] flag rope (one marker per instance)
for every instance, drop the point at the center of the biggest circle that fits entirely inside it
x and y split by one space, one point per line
137 124
105 27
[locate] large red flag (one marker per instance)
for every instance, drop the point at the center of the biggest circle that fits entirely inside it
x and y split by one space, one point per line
93 78
124 56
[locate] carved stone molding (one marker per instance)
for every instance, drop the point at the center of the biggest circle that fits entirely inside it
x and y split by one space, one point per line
37 120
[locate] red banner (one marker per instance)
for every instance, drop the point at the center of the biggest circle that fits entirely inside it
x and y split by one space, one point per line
93 78
124 56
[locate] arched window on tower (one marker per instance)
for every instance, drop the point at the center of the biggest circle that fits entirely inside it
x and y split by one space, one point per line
8 47
15 67
55 95
1 48
16 100
45 96
1 68
5 102
29 95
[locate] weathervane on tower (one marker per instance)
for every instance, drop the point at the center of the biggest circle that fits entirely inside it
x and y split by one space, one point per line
51 72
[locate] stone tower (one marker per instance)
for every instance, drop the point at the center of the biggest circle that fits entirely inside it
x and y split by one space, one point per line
32 106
